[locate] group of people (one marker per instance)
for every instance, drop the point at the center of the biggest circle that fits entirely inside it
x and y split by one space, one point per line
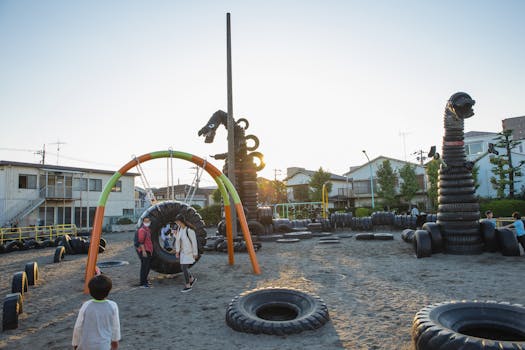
185 246
98 324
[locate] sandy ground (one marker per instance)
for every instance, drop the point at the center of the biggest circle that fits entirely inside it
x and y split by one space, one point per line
372 289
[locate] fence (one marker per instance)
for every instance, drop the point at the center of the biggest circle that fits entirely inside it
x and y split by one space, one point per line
36 232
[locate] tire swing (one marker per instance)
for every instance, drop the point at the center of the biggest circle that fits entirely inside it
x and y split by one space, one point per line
161 214
469 325
276 311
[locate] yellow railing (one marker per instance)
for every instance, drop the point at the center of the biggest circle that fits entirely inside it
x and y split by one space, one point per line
504 221
36 232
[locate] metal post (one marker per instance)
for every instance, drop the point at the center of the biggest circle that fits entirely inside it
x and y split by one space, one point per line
230 123
371 179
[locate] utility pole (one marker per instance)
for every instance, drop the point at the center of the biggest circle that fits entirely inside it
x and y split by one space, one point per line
275 172
419 156
42 153
230 123
58 143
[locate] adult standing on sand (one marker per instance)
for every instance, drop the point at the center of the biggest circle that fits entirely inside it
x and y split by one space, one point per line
186 251
145 251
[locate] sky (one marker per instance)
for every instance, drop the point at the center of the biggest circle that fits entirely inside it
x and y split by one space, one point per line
319 81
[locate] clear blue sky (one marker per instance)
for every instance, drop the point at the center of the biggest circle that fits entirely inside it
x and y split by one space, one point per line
319 80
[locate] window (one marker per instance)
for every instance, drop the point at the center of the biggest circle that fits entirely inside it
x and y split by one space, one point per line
82 184
27 181
362 187
95 185
128 212
474 148
117 187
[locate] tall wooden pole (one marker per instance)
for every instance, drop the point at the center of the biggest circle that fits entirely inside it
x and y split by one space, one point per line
231 122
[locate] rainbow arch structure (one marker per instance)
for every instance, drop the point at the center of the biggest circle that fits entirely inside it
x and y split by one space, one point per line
225 187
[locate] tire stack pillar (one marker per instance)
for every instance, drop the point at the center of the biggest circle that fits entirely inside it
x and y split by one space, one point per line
458 211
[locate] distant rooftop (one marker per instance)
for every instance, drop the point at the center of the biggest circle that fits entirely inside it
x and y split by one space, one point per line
479 133
59 168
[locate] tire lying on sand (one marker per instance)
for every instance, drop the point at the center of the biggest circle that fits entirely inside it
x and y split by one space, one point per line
422 244
469 325
19 283
31 270
435 236
364 236
408 235
12 307
160 215
60 252
276 311
507 242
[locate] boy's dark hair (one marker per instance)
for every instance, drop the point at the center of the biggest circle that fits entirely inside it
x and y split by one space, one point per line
488 212
180 218
99 287
516 215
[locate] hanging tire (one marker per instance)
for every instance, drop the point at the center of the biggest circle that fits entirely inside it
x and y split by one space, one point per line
276 311
160 215
469 325
260 156
255 140
11 309
60 252
422 244
31 270
508 242
19 283
488 233
435 236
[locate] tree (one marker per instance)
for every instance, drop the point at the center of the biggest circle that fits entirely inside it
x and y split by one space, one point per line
475 175
216 196
318 179
300 193
271 192
432 174
279 187
505 171
410 185
386 179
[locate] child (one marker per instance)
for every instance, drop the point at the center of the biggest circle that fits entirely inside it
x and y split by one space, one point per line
519 227
186 250
98 325
490 217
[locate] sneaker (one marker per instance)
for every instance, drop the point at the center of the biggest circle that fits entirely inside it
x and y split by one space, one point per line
186 290
193 282
146 286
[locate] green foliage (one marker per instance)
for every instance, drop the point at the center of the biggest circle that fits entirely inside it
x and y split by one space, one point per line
386 179
503 207
217 196
196 207
124 221
300 193
361 212
432 174
271 192
211 214
475 174
410 185
504 169
318 179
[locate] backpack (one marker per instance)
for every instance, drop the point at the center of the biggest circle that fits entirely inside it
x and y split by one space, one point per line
136 242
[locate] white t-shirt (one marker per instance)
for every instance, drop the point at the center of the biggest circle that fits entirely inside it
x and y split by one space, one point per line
97 325
186 244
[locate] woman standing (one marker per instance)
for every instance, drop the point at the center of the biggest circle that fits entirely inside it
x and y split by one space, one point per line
186 251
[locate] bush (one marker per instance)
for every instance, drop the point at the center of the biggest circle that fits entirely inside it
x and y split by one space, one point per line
361 212
211 214
502 207
124 221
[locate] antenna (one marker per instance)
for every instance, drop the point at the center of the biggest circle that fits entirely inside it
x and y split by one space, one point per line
58 143
404 134
42 153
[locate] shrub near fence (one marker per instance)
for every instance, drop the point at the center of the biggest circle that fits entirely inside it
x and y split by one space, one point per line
503 207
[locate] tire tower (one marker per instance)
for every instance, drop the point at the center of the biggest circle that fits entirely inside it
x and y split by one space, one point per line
458 210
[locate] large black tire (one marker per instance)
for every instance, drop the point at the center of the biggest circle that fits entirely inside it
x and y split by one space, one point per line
76 245
255 227
12 246
66 242
435 236
422 244
508 242
383 236
19 283
161 214
364 236
408 235
31 270
488 232
11 310
60 252
276 311
469 325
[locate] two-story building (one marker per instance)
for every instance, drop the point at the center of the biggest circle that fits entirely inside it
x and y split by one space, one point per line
43 194
192 195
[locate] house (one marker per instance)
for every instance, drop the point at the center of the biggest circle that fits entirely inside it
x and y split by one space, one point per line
297 181
477 150
192 195
43 194
359 182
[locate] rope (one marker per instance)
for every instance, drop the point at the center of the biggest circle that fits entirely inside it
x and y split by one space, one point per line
149 193
196 180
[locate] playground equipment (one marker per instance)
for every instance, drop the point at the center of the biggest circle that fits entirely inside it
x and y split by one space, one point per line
457 229
245 167
225 187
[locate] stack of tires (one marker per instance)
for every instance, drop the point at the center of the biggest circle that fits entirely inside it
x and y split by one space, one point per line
13 302
219 244
382 218
74 245
405 221
341 220
362 224
25 244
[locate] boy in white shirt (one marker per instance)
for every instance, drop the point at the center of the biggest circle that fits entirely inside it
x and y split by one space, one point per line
98 325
